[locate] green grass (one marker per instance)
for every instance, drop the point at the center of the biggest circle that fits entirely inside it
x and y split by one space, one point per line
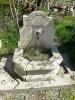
9 39
49 94
8 32
65 31
4 1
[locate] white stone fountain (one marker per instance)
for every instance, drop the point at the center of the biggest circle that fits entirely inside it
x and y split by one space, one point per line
37 74
37 30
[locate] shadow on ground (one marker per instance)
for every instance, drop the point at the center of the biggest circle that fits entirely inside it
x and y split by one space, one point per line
68 52
9 67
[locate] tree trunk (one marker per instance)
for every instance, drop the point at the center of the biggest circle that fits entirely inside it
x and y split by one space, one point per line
16 15
48 4
11 9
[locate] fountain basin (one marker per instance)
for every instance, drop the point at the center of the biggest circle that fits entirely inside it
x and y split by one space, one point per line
36 69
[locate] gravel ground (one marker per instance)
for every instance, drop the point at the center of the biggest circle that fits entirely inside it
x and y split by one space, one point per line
50 94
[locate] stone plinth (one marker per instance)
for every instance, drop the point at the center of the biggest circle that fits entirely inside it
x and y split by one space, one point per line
37 70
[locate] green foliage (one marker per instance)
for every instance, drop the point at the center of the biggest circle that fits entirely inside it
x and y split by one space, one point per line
68 95
4 11
8 32
4 1
44 9
9 39
65 31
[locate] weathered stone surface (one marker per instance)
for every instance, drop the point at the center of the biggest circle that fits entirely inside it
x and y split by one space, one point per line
18 52
54 72
18 60
58 81
43 77
23 67
67 75
1 98
3 62
61 71
20 72
25 86
37 72
37 32
3 59
25 18
25 37
56 55
55 51
32 23
20 66
39 65
6 81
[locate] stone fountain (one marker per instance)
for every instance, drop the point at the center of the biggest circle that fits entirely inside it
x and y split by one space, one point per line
37 70
37 31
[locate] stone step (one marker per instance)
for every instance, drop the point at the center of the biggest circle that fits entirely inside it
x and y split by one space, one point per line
33 78
6 81
21 72
37 72
56 55
12 86
32 74
18 53
22 66
47 76
56 82
40 65
38 77
3 62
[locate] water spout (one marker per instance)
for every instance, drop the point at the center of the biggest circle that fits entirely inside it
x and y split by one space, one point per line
38 32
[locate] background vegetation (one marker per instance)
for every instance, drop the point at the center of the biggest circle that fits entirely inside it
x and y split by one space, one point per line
49 94
8 31
65 32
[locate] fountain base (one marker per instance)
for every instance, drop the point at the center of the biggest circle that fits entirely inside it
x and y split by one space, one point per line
27 69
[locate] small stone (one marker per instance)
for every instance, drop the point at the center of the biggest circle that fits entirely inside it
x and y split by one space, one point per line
1 98
61 71
2 64
18 52
67 76
3 59
73 77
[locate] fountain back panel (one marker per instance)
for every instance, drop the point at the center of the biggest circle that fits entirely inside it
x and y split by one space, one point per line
37 31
